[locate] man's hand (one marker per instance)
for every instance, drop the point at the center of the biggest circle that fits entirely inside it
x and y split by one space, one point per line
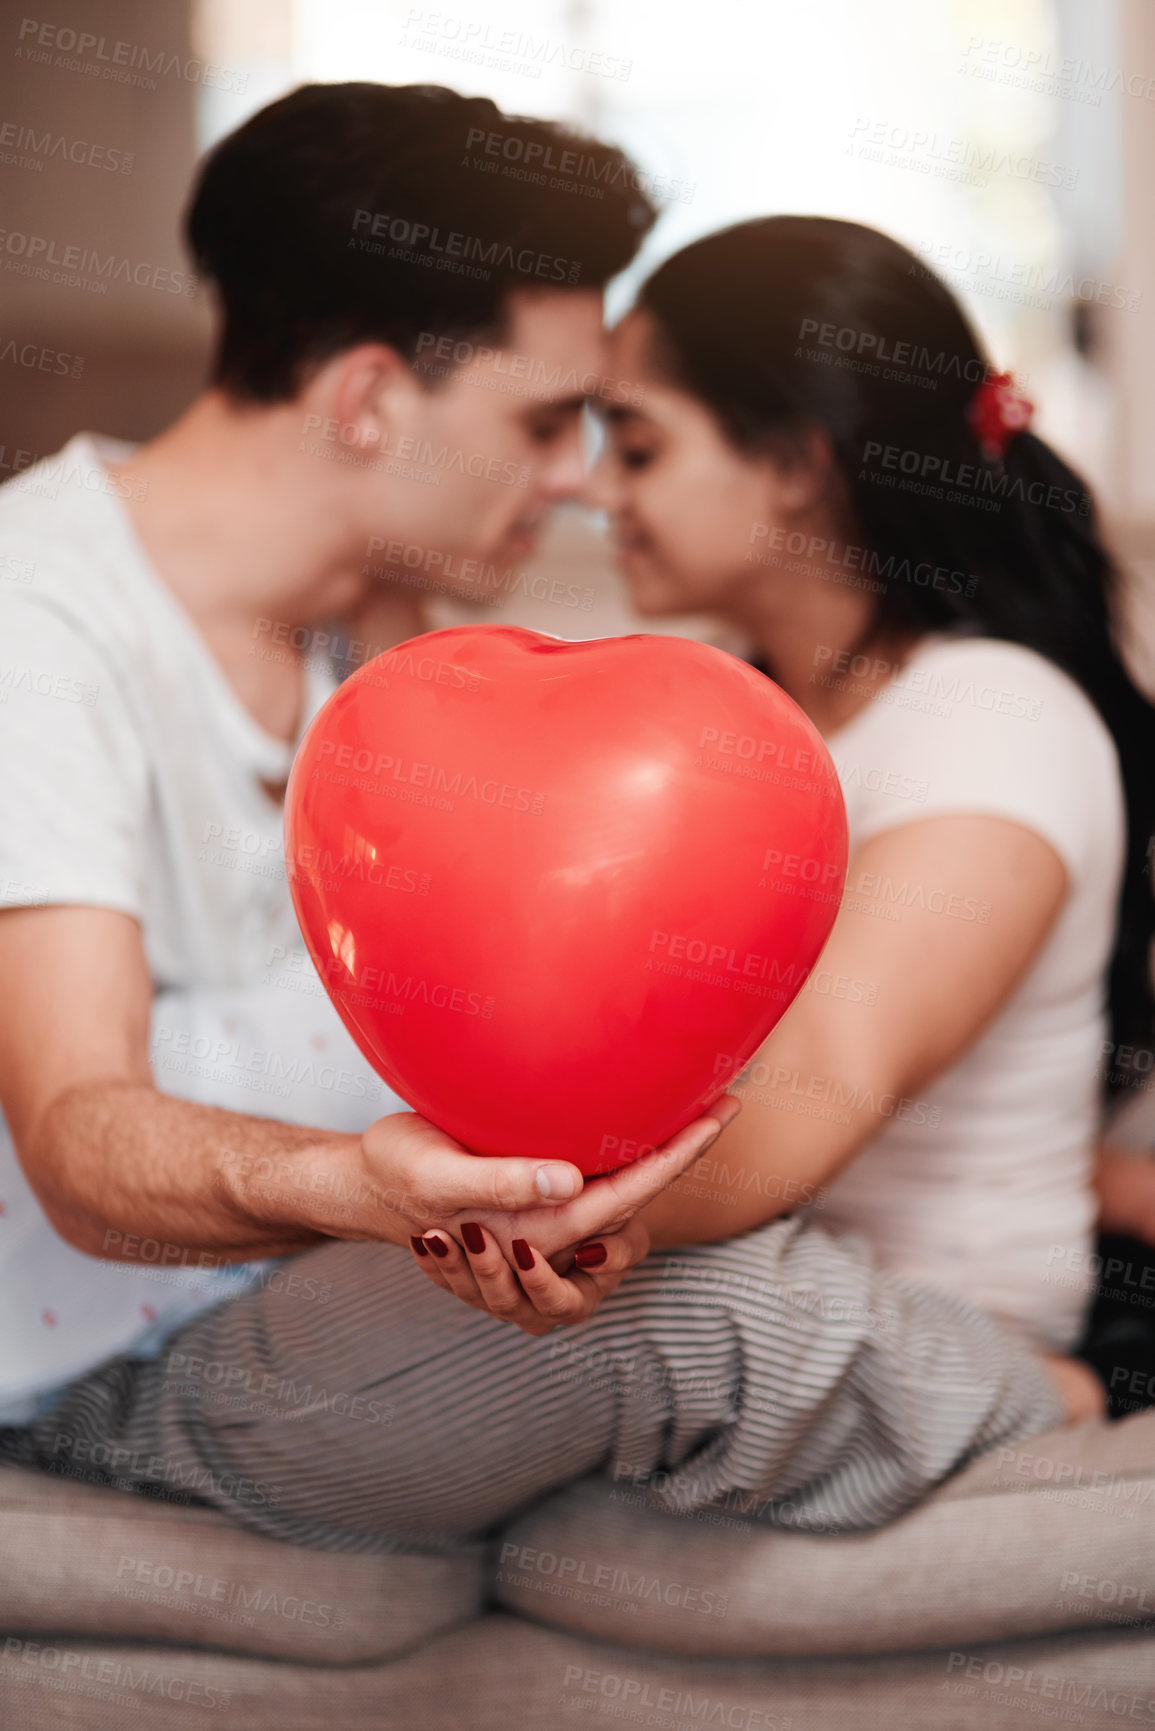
410 1179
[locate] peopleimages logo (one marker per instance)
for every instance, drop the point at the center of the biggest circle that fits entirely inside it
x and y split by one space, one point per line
421 567
41 147
644 1702
487 44
938 687
121 62
456 249
367 447
541 165
423 783
678 946
399 992
530 369
927 152
163 1583
983 483
808 554
908 356
37 252
37 357
72 1672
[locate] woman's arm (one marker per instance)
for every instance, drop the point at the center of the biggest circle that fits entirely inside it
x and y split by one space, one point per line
892 1003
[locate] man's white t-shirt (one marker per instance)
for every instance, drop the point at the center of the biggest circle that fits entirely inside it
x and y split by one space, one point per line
130 778
982 1185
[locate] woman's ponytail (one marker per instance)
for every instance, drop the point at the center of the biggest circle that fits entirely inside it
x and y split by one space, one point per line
794 322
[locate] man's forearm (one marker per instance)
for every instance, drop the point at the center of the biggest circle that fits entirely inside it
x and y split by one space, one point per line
116 1164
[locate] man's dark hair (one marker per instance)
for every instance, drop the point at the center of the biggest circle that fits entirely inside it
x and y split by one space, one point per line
348 213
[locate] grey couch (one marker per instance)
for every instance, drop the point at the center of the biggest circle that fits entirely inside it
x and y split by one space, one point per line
1022 1592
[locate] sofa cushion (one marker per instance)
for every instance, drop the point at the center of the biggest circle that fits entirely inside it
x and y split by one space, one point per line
93 1560
498 1678
501 1673
1054 1534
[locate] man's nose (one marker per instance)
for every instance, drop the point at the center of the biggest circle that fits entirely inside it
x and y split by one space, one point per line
566 475
603 485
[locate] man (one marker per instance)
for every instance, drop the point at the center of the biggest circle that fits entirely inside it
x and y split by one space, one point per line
143 753
169 640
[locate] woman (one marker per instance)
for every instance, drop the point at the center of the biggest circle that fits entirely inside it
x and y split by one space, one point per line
821 455
775 1365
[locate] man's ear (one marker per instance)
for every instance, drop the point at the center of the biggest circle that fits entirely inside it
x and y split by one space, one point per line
363 394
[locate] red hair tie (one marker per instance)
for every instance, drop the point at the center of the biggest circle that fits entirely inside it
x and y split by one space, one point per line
996 413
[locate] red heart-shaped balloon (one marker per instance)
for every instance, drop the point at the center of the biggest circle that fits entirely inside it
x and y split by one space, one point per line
561 892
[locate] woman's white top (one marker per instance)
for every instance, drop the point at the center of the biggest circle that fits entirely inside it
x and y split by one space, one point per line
983 1185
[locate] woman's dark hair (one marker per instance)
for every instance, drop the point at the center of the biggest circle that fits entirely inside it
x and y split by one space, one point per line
789 323
349 213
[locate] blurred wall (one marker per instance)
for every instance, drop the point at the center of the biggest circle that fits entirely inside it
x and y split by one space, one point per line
97 140
1127 348
1129 341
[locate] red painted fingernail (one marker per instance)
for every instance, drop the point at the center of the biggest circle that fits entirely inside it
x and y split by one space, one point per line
522 1254
590 1255
438 1246
473 1236
419 1246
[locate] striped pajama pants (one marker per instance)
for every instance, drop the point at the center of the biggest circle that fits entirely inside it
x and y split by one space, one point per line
359 1408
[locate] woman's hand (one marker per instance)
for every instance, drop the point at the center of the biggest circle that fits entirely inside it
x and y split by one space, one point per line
604 1205
536 1299
544 1267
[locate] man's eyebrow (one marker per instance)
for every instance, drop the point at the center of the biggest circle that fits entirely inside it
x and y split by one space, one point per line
568 405
619 412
